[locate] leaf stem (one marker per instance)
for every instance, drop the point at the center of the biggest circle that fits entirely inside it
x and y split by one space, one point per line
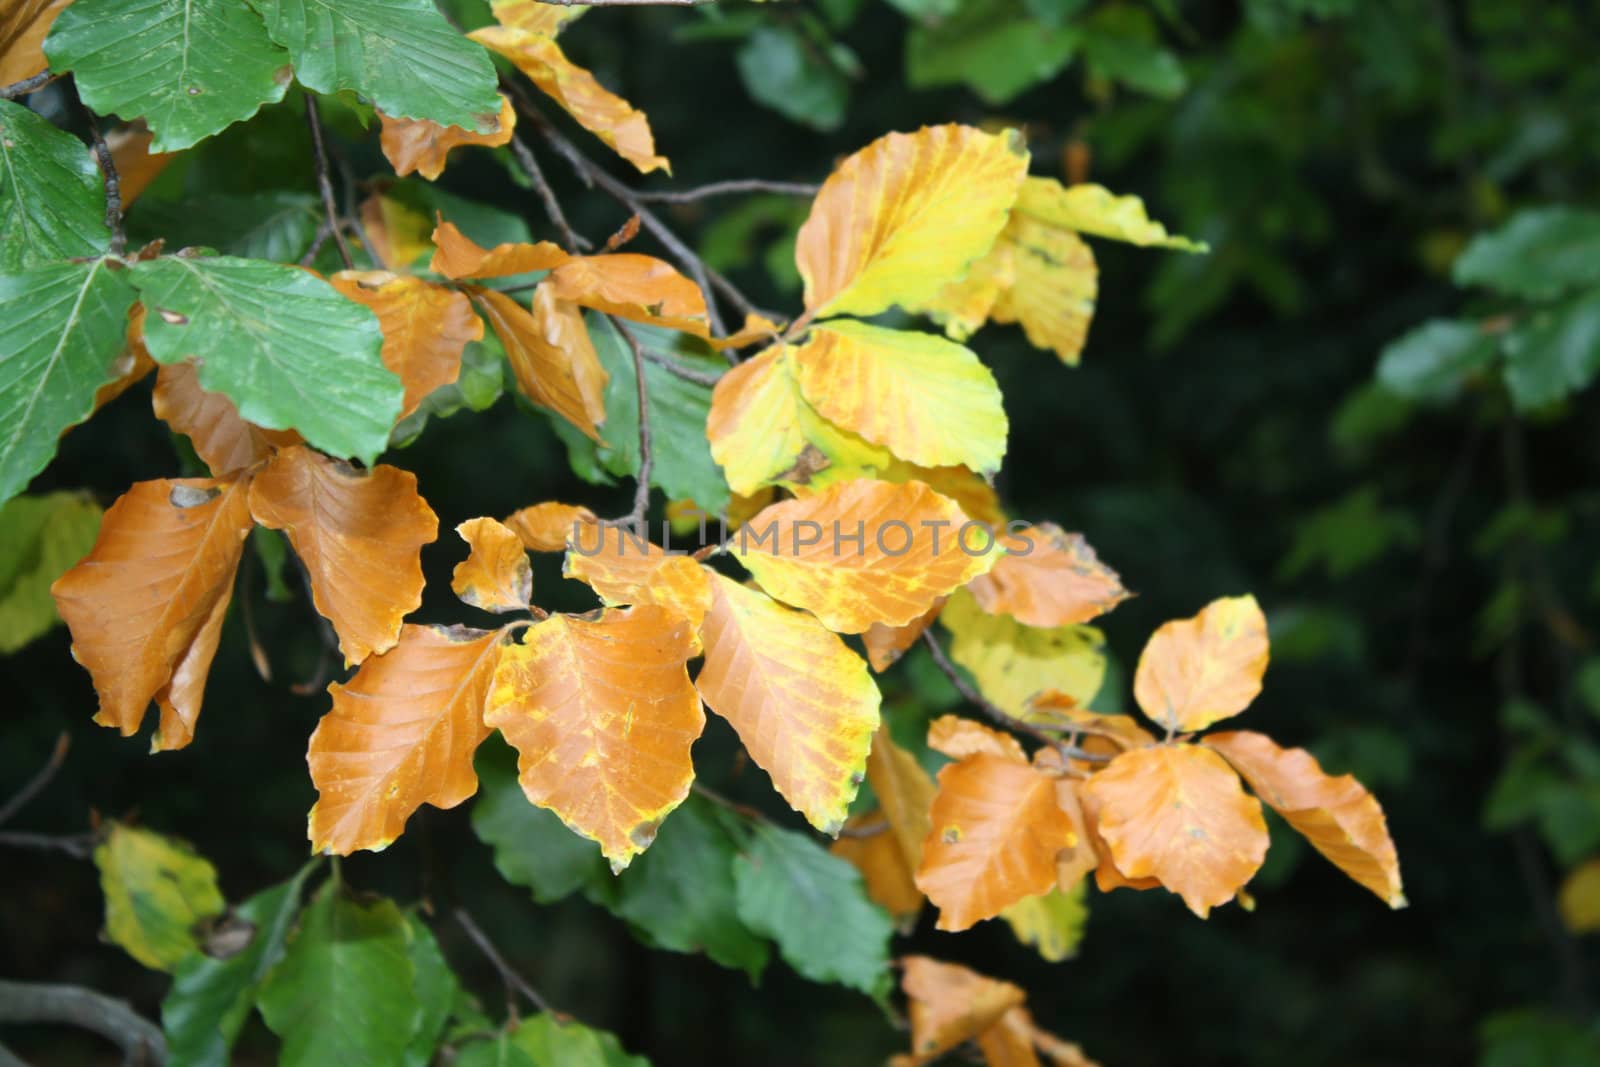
25 86
512 980
324 186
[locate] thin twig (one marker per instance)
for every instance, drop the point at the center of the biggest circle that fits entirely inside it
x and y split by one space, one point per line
78 846
37 1002
729 188
25 86
552 206
999 716
510 977
41 779
865 830
744 810
641 492
679 371
324 186
113 186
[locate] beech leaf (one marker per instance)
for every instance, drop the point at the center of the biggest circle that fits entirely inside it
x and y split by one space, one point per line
1196 671
417 146
211 422
1013 663
157 890
951 1005
550 353
425 328
52 205
546 527
1048 578
496 575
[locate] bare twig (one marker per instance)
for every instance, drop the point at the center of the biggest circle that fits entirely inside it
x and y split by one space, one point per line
866 830
641 492
510 977
37 1002
729 188
324 186
744 810
41 779
113 186
78 846
679 371
25 86
552 206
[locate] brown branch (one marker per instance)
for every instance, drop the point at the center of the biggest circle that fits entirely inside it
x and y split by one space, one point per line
552 207
729 188
58 755
113 186
679 371
512 980
78 846
37 1002
641 492
742 810
324 186
25 86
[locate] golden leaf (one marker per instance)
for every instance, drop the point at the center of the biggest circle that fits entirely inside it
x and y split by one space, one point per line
1579 899
459 258
496 575
1013 663
886 644
550 353
1051 922
398 233
904 792
1048 578
421 147
546 527
1196 671
951 1005
211 422
632 286
867 844
535 16
425 328
1094 209
959 738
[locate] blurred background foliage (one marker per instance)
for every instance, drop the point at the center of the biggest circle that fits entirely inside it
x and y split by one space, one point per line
1367 405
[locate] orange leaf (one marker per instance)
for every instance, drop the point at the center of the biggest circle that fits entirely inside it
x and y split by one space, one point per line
458 257
360 535
23 26
397 232
904 791
905 215
1177 813
1009 1042
632 286
419 146
601 112
883 866
536 16
1106 875
614 561
136 165
1195 671
546 527
803 704
1048 578
996 832
886 644
400 734
602 715
425 328
147 603
951 1005
1336 814
211 422
861 552
551 355
959 738
496 575
131 364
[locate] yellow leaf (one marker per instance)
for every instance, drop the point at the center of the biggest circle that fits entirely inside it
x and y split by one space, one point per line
1580 898
535 16
426 328
601 112
903 216
496 575
1012 663
904 792
602 715
803 704
400 734
862 552
1196 671
1177 813
158 893
1337 815
1051 922
459 258
421 147
927 400
959 738
1048 578
551 355
399 233
1094 209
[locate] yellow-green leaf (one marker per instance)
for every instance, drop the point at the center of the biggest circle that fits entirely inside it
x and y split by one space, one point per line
1012 663
1096 210
1051 922
158 891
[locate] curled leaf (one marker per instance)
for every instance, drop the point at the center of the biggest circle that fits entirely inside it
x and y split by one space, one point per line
496 575
422 147
459 258
425 328
1048 578
546 527
951 1005
551 355
959 738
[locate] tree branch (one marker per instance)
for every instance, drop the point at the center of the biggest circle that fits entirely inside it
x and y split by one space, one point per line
729 188
113 186
552 206
678 371
25 86
641 491
78 846
36 1002
510 977
58 756
324 186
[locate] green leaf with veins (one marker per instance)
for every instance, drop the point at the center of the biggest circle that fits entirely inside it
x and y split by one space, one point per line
52 204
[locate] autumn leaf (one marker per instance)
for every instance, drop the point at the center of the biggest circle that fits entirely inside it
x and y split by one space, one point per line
158 893
550 353
1048 578
867 844
632 286
1579 898
1013 663
496 575
959 738
137 166
211 422
398 233
546 527
602 715
1094 209
904 791
1177 813
1052 922
803 704
898 219
1337 815
145 607
360 535
425 328
615 561
459 258
1196 671
421 147
601 112
535 16
400 734
996 832
862 552
886 644
1107 876
131 365
951 1005
925 399
23 26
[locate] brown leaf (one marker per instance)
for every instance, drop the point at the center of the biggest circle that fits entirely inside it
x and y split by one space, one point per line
551 355
400 734
1336 814
951 1005
496 575
959 738
546 527
211 422
624 569
146 604
1009 1042
602 715
425 328
632 286
1193 672
1177 813
23 26
131 364
882 865
458 257
419 146
360 535
886 644
1048 578
996 832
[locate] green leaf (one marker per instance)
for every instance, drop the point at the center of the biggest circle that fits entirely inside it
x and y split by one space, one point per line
1434 361
282 344
1555 353
436 989
279 226
400 54
211 996
794 77
1121 43
40 538
815 907
1540 253
158 890
480 383
996 49
61 328
52 204
681 891
543 1041
1533 1038
189 70
344 992
532 846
